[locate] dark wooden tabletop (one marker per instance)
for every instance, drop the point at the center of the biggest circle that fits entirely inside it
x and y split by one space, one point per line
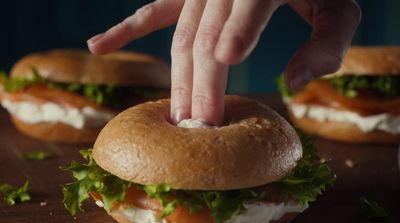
375 174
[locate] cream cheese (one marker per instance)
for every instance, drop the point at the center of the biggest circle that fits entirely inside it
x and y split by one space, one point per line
99 203
193 123
254 213
139 215
265 212
33 113
382 122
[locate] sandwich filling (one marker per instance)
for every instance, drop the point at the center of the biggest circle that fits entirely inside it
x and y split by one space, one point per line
256 212
268 202
369 102
38 100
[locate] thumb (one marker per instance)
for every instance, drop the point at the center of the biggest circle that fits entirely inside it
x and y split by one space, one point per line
334 24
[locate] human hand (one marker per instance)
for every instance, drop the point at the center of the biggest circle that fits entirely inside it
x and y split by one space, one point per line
212 34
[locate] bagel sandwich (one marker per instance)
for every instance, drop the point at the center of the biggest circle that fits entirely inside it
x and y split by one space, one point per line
360 103
69 95
254 168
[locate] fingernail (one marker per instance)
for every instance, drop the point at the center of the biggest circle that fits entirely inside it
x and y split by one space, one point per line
179 115
95 38
301 77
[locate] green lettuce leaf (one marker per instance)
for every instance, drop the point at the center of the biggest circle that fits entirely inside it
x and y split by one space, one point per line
18 83
101 94
91 178
222 204
13 195
36 155
372 210
309 179
3 77
283 89
388 86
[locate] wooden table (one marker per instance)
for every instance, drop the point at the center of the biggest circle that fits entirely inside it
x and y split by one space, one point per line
375 175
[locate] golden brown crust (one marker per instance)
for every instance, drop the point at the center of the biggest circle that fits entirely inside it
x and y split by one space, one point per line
56 132
255 146
371 60
80 66
344 132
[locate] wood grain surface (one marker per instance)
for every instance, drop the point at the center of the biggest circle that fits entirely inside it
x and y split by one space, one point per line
375 174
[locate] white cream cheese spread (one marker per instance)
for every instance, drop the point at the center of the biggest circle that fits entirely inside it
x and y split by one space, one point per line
382 122
33 113
193 123
138 215
265 212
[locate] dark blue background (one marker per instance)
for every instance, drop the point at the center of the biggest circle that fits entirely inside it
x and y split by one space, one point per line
34 25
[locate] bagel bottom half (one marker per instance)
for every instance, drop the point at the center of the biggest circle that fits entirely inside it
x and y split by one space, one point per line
341 131
56 132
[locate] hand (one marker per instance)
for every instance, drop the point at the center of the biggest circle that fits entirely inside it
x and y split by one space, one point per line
212 34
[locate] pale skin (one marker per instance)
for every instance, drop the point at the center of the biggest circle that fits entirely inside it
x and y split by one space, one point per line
213 34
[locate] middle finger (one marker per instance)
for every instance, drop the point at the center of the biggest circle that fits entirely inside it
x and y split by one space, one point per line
182 59
209 76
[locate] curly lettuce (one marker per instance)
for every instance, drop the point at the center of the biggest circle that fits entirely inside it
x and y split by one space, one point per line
387 85
349 86
101 94
13 195
309 178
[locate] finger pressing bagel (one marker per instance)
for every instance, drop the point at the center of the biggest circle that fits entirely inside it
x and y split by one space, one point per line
182 59
209 76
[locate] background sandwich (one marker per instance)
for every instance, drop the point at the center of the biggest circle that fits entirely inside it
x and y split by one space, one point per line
254 168
69 95
360 103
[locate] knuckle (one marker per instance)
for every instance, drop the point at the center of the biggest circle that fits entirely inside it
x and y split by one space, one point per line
146 11
346 12
206 39
204 101
240 28
123 27
234 56
333 60
242 36
145 15
183 39
180 91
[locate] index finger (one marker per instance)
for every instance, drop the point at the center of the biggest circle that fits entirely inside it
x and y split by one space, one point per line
151 17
